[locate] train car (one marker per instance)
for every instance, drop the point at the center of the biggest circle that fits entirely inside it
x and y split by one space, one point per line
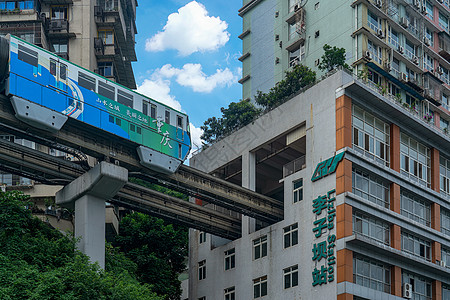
45 90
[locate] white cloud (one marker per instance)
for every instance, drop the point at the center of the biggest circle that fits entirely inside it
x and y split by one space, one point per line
159 89
191 75
190 30
196 133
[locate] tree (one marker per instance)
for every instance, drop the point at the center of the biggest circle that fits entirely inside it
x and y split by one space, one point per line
237 115
296 79
39 262
332 58
158 250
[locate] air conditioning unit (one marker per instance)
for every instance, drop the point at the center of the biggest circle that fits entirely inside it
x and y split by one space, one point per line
296 6
401 49
439 70
415 60
404 77
380 33
441 1
368 55
404 22
379 3
443 263
407 290
427 41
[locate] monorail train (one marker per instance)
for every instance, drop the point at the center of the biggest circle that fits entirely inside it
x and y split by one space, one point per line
45 90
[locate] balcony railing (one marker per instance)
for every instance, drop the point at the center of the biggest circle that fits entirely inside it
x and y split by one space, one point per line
294 166
59 26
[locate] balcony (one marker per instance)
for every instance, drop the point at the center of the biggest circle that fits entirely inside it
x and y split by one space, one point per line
444 45
59 29
432 88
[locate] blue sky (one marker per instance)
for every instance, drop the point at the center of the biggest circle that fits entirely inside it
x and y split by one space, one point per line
189 60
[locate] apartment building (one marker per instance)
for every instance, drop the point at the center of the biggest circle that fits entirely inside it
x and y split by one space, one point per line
360 161
97 35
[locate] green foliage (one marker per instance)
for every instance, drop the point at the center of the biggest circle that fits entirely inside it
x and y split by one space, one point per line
158 250
300 77
237 115
332 58
39 262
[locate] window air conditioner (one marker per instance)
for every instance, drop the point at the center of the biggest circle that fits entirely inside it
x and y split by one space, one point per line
404 22
404 77
426 41
380 33
379 3
443 263
415 60
368 55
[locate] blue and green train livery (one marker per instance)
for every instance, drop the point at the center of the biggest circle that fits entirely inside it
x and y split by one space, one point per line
46 89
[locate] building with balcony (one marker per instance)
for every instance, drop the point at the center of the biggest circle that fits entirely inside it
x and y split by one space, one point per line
360 161
365 189
97 35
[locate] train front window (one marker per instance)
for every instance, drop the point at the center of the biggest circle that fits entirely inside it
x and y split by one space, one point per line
62 72
153 111
167 117
180 122
52 67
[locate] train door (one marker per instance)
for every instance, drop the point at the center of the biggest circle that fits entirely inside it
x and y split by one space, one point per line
180 132
57 97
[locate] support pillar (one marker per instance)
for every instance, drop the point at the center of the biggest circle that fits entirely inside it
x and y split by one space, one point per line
88 194
249 182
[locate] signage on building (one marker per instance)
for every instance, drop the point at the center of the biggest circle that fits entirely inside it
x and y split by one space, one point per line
327 167
323 251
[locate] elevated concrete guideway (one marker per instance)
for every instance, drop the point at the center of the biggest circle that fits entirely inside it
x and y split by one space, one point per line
102 145
48 169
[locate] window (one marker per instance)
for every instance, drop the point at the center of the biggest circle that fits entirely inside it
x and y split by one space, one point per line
445 221
59 13
446 78
180 122
53 67
201 237
27 55
372 21
260 247
230 259
125 98
370 136
111 119
416 246
297 55
29 4
86 81
298 190
229 293
60 47
106 69
444 170
445 291
167 119
259 287
62 71
429 9
106 90
290 277
371 274
421 286
107 36
445 101
370 187
445 258
410 49
414 160
118 121
375 51
415 208
371 227
428 63
429 35
443 21
180 151
393 38
291 235
202 270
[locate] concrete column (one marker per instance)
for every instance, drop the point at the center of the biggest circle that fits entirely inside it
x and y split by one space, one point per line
88 194
249 182
435 184
395 197
396 237
344 265
436 287
343 122
396 281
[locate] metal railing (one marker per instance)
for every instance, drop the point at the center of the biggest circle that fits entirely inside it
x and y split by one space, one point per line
294 166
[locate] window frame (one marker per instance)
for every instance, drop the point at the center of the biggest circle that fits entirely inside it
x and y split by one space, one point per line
290 235
202 270
289 274
260 288
297 190
260 247
230 259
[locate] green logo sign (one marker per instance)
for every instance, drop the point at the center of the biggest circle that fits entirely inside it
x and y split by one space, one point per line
327 167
